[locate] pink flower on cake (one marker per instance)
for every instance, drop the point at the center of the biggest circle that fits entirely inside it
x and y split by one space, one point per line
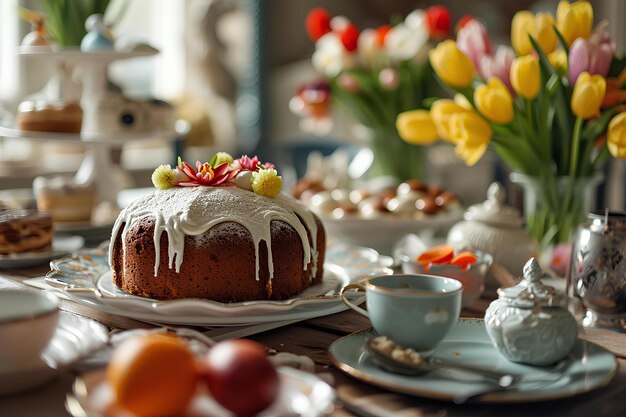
206 175
245 163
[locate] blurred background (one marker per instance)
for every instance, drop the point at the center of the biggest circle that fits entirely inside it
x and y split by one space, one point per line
229 68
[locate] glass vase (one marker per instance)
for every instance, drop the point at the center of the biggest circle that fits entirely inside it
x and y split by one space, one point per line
555 207
395 157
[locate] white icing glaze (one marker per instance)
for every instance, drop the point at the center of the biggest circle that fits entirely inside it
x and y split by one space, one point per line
194 210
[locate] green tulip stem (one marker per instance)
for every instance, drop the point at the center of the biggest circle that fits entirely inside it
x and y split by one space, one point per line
573 164
575 146
529 112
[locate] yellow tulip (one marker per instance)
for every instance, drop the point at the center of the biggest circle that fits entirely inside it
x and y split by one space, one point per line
616 136
558 59
494 101
417 127
588 94
539 26
472 134
462 101
525 76
451 65
574 20
440 113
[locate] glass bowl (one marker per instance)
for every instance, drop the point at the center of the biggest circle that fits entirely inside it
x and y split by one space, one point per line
472 277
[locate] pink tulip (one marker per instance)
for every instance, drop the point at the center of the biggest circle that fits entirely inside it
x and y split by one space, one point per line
474 42
388 78
498 65
593 55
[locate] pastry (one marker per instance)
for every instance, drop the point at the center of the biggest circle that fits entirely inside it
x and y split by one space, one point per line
65 199
24 231
40 116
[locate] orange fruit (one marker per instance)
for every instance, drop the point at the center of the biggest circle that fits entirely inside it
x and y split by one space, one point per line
152 375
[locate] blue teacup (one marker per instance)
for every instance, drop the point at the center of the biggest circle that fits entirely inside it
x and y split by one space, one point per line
414 311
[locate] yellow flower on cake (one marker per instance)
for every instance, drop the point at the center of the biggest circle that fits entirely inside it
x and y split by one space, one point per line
525 76
165 177
417 126
574 20
616 136
588 94
494 101
452 65
266 182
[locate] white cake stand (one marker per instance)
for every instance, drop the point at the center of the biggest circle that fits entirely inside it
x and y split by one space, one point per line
97 164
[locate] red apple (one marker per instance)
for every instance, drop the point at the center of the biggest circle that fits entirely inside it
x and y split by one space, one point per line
240 377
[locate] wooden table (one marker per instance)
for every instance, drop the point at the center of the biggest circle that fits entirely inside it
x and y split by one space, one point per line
312 338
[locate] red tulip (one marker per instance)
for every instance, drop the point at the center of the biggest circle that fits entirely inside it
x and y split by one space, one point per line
317 23
350 37
381 34
439 21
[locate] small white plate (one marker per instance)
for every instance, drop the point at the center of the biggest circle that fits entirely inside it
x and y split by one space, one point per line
301 394
61 246
75 338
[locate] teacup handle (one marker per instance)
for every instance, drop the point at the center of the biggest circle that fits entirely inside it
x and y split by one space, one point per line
347 302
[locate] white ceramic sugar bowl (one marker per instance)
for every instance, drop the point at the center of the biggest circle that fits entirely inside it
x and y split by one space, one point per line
494 228
529 322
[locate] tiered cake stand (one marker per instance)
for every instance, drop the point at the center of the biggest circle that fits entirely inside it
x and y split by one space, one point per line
97 164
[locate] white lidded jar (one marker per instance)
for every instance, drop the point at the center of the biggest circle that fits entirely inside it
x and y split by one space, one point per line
494 228
529 323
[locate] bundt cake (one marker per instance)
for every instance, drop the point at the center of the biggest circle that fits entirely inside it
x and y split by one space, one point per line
218 242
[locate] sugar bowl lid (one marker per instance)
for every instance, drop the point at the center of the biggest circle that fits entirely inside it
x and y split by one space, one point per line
531 291
494 211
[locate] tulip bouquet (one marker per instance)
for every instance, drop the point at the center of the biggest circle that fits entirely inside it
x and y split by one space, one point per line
372 74
551 107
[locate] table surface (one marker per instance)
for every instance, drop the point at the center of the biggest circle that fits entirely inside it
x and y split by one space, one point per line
312 338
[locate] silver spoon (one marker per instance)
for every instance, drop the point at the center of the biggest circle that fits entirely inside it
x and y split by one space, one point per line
430 363
530 383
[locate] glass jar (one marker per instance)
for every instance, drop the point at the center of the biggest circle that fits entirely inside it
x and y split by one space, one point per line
555 207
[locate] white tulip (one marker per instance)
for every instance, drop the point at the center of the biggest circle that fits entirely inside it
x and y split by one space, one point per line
416 19
406 43
368 49
330 56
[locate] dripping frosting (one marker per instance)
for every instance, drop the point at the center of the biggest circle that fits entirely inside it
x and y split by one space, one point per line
194 210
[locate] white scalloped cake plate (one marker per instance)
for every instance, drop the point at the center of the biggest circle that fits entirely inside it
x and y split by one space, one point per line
87 280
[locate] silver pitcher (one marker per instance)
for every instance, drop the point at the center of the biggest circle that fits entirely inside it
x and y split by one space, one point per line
597 273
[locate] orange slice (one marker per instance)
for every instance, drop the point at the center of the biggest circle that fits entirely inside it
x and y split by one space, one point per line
440 254
464 259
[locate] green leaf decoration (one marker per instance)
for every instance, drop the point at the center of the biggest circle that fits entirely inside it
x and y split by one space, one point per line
213 161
